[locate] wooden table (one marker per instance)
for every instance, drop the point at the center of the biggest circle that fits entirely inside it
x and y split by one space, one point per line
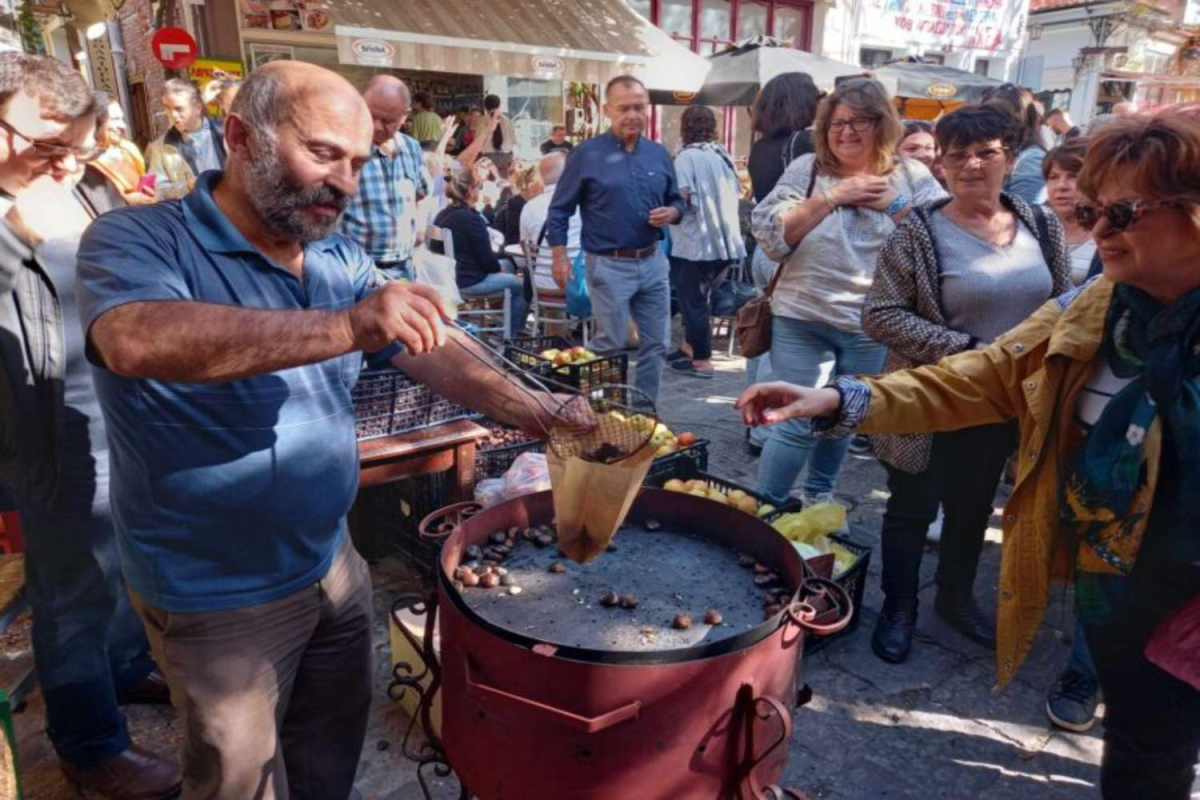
444 447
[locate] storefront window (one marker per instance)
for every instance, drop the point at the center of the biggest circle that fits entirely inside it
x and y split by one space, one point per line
640 6
676 17
789 25
715 19
535 107
752 20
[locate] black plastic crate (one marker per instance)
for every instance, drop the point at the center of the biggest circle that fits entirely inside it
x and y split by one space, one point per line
495 462
685 460
853 580
686 470
385 520
526 351
387 402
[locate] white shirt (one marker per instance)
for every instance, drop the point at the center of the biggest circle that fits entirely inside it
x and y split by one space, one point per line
533 217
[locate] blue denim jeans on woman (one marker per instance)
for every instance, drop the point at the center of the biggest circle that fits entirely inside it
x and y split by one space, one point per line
494 285
798 348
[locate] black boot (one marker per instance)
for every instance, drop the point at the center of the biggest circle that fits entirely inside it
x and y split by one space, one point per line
894 630
960 611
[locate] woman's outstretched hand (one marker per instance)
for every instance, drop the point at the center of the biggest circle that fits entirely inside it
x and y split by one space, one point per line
769 403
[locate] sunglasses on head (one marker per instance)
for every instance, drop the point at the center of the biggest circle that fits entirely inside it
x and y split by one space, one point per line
1119 215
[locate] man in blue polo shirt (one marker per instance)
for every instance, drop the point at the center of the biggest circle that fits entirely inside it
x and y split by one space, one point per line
625 188
227 330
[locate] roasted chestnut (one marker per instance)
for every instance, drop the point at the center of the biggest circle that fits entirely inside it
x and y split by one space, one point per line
713 617
609 600
628 601
746 561
469 578
558 568
681 622
498 537
490 581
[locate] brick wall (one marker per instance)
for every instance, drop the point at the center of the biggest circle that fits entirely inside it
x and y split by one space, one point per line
137 27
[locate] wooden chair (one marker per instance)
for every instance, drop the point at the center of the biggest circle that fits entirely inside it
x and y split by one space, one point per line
550 310
487 315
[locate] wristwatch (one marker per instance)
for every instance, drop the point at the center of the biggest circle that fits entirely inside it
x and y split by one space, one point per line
897 205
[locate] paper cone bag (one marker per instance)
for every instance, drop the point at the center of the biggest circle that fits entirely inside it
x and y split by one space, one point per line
591 499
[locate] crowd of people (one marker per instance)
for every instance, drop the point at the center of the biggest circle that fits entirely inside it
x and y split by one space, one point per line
943 276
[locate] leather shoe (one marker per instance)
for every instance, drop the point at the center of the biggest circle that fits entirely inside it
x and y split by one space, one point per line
135 774
965 616
894 630
150 690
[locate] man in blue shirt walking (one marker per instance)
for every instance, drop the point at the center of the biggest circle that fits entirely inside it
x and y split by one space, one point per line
625 188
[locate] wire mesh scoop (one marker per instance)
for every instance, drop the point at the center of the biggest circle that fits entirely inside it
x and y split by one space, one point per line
605 424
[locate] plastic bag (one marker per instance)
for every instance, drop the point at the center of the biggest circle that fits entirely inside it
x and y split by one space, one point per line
437 271
528 474
489 492
579 302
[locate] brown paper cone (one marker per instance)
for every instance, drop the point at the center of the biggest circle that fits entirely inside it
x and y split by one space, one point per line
591 499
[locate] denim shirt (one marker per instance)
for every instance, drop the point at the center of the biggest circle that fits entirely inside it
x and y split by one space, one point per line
615 191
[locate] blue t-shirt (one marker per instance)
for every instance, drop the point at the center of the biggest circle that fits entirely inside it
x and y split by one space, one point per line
224 494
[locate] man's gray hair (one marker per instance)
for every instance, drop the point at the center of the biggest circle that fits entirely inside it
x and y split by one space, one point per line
180 86
64 95
550 166
261 102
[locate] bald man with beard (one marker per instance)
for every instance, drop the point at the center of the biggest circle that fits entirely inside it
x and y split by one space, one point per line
226 330
382 217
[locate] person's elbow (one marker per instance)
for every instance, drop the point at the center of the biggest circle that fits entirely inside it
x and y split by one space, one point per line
116 347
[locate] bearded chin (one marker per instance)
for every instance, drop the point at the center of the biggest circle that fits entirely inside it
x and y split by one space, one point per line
281 200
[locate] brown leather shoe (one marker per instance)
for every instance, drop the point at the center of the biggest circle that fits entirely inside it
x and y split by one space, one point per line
151 690
136 774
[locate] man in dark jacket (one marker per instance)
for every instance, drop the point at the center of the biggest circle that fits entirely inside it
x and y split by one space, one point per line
90 651
194 144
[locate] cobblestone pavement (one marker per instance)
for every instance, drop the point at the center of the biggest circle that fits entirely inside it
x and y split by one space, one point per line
929 728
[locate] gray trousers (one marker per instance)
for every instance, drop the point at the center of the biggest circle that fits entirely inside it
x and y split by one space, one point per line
273 698
641 288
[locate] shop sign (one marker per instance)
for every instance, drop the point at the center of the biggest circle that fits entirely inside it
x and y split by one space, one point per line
373 52
684 97
941 90
548 65
206 70
959 24
174 48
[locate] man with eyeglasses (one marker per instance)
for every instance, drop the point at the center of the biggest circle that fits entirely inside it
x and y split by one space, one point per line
625 188
89 647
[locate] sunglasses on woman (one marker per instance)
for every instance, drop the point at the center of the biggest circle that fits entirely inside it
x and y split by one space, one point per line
1120 215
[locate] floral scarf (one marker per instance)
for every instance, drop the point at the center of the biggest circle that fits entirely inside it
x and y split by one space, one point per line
1151 427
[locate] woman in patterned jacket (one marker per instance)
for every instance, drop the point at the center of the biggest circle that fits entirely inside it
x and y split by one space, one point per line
957 274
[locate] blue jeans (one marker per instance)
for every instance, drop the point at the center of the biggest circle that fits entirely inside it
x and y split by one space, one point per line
1080 659
758 370
494 285
87 641
619 287
798 347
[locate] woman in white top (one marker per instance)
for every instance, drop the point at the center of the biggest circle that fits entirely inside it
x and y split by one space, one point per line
1061 169
825 222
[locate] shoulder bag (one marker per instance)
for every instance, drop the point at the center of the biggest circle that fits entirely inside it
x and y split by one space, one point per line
753 323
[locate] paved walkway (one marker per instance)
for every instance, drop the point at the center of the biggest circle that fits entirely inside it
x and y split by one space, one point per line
930 728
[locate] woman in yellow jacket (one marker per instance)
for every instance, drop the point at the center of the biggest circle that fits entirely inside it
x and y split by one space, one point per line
1104 383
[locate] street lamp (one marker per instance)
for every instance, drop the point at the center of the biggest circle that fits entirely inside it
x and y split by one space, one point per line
96 30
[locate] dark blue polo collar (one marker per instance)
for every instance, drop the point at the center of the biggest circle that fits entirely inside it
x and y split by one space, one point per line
214 230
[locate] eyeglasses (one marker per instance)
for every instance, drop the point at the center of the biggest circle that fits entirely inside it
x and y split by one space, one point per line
51 150
857 124
960 158
1120 215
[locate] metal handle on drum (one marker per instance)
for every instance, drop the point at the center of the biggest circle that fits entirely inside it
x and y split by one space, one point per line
561 716
804 612
751 784
443 523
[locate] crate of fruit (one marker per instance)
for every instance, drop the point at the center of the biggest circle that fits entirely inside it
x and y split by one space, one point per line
840 556
495 454
387 402
686 478
553 358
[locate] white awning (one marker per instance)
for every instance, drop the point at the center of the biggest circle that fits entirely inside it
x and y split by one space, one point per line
588 41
